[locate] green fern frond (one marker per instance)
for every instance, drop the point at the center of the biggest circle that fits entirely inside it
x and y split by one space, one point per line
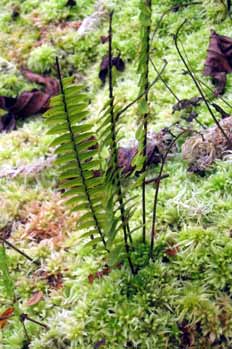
143 108
109 137
76 147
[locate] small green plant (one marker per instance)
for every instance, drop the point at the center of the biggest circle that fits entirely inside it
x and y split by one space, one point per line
106 205
42 59
217 10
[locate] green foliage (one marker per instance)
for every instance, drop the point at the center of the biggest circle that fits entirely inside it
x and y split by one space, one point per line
192 288
42 59
216 10
143 71
78 157
6 279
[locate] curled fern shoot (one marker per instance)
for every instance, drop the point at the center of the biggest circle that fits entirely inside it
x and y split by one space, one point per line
76 147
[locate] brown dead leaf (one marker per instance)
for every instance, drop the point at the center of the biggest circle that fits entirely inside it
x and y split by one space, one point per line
54 280
35 298
5 316
218 63
172 251
27 103
99 274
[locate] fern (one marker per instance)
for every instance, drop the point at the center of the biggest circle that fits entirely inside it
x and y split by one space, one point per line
77 156
143 70
108 135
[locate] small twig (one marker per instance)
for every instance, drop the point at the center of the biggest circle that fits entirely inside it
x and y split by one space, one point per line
142 94
24 329
114 149
211 90
164 82
19 251
176 36
199 80
24 317
220 110
153 227
156 179
192 131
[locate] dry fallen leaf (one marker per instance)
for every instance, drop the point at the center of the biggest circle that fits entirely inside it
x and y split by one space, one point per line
5 316
35 298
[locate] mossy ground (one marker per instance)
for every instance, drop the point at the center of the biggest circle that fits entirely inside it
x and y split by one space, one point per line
190 289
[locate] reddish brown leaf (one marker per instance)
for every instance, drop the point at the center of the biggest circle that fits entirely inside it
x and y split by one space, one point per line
91 278
29 102
104 39
172 251
54 280
99 274
104 67
35 298
219 60
5 316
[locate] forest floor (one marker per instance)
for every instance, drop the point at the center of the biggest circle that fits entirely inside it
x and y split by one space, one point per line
183 299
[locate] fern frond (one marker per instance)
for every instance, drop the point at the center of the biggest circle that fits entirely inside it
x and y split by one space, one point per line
143 70
108 135
77 152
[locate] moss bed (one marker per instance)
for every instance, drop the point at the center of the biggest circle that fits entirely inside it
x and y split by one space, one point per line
183 298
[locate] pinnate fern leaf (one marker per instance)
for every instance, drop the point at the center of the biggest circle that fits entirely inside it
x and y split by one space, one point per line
76 147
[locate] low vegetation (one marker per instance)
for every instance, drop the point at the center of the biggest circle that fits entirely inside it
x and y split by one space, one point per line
137 261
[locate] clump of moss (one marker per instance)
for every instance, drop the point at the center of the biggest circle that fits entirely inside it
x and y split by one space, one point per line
42 59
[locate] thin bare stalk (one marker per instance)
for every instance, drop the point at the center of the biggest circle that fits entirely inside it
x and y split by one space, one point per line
25 330
24 317
199 80
165 13
211 90
176 36
154 217
164 82
129 105
156 179
19 251
125 225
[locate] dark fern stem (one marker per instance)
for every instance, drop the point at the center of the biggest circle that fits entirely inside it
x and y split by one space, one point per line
19 251
77 158
165 82
114 149
24 317
202 82
176 37
158 180
129 105
228 2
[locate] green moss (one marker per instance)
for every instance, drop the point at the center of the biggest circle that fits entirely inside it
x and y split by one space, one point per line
42 59
192 287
